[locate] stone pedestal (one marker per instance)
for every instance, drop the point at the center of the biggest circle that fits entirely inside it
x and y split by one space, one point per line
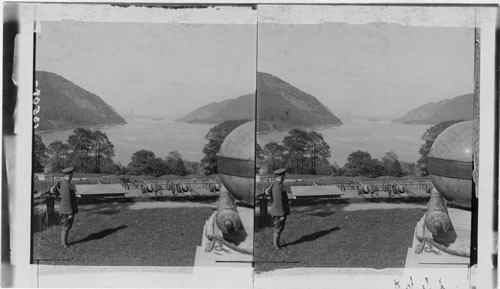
51 212
222 255
458 237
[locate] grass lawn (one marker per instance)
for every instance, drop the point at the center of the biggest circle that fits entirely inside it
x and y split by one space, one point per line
361 239
151 237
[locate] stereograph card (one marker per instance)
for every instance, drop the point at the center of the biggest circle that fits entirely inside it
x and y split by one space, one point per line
249 145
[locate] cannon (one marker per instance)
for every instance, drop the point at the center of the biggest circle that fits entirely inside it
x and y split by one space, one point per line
232 225
235 163
450 166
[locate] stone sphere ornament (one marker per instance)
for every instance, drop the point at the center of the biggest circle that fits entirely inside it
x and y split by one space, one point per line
236 162
450 164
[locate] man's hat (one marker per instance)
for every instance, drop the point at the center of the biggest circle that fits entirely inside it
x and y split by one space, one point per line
279 172
67 170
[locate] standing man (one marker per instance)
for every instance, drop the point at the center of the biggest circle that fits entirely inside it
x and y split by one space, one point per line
68 207
280 208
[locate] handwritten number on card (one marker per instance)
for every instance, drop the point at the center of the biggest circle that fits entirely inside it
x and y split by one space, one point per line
36 106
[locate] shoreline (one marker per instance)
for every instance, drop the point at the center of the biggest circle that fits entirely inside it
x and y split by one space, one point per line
123 155
98 126
357 134
306 127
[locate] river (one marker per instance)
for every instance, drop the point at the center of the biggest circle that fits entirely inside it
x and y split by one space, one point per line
164 135
157 135
373 136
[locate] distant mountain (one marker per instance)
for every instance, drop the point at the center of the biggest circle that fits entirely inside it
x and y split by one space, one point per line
228 109
65 105
458 108
279 106
220 131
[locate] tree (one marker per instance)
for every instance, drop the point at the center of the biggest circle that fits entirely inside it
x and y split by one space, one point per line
110 167
296 145
360 163
175 163
337 170
216 137
39 154
60 153
274 154
119 169
324 167
429 137
391 164
90 149
81 144
259 153
260 159
103 150
192 168
145 162
409 168
318 150
209 161
302 152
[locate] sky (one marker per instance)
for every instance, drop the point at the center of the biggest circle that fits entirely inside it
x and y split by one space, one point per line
160 69
370 69
171 69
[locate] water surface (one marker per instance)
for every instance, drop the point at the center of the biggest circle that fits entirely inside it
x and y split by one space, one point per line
373 136
164 135
157 135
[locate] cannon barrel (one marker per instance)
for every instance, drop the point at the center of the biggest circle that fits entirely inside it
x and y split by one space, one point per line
437 219
227 217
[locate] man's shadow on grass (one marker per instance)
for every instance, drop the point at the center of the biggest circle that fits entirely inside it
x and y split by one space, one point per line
100 235
312 237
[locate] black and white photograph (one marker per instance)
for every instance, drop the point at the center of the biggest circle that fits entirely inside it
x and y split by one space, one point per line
250 145
144 144
364 144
